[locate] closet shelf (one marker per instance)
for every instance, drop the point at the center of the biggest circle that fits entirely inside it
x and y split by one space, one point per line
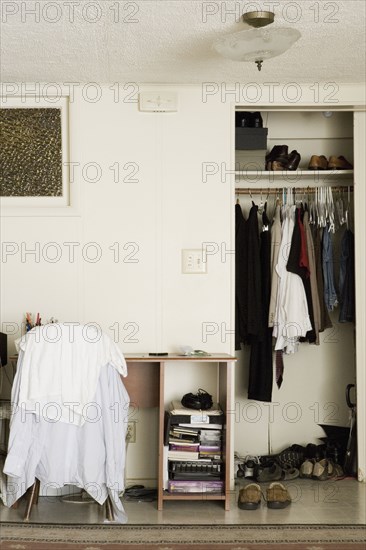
327 177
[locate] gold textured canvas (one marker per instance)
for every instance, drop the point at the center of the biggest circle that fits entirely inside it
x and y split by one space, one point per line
30 152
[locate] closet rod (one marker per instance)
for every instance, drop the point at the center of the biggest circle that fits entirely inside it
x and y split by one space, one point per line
297 190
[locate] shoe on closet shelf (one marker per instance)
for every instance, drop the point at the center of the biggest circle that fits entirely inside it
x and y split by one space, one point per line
339 163
275 166
278 496
279 153
318 163
250 497
293 160
246 119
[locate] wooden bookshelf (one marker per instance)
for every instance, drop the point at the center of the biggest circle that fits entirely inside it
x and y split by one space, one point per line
146 373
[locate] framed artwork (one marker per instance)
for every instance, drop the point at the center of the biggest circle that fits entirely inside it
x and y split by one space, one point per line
34 152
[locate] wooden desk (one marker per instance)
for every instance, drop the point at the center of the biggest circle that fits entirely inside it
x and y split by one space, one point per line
145 384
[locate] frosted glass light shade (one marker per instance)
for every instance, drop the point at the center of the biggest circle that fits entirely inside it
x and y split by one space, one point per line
256 44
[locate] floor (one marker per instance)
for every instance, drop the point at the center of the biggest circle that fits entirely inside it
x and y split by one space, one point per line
313 502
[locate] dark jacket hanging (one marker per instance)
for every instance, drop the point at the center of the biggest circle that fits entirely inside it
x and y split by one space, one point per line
248 297
261 356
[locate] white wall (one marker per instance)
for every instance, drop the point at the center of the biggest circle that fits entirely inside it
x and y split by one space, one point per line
143 294
168 209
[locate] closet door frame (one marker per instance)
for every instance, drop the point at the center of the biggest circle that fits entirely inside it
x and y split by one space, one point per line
359 144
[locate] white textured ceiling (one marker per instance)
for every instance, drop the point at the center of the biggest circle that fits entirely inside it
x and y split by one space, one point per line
170 41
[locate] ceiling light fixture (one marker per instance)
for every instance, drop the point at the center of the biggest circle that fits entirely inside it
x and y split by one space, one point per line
258 43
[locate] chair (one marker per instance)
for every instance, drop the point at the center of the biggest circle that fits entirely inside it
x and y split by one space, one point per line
48 447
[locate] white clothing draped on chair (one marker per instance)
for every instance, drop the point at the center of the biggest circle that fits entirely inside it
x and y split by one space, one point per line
69 418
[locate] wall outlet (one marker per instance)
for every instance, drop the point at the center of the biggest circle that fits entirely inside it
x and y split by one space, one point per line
131 432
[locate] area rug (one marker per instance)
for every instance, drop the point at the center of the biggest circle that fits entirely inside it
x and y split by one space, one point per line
22 536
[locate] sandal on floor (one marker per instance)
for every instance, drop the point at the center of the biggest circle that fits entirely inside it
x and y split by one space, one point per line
250 497
278 496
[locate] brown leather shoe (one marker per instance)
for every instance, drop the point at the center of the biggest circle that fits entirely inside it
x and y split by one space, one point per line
279 153
275 166
339 163
293 160
249 497
318 163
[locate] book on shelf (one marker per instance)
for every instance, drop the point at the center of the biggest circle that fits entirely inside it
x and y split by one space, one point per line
210 452
183 437
209 448
194 447
184 430
196 486
213 456
202 425
182 455
213 438
176 407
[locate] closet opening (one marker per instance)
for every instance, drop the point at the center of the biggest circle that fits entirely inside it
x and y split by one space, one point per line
295 294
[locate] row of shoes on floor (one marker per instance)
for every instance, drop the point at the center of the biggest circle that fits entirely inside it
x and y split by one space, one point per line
320 470
318 462
280 159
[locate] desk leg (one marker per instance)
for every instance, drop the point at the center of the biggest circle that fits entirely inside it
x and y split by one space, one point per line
225 391
161 435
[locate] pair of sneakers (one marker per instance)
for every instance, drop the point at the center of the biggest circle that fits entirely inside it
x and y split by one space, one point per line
277 496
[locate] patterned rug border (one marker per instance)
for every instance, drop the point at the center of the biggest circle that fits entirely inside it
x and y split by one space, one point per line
167 533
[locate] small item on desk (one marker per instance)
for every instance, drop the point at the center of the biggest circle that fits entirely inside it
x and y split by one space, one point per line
190 352
160 354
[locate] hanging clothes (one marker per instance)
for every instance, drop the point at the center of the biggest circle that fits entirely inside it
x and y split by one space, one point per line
313 279
298 263
261 354
325 321
330 295
292 315
276 235
241 281
248 277
347 278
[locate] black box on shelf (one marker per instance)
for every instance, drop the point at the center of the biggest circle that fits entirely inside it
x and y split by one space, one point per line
251 138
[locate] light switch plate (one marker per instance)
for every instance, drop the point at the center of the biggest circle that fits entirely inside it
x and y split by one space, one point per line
192 261
158 101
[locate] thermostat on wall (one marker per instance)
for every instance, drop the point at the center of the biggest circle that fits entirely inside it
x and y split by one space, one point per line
158 101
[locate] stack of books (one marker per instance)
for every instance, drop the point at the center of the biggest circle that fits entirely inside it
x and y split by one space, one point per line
193 441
